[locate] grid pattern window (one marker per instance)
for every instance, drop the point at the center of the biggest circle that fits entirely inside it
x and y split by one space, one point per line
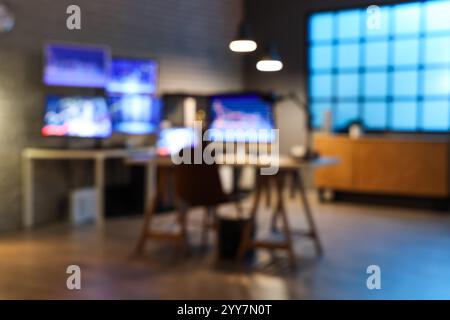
387 67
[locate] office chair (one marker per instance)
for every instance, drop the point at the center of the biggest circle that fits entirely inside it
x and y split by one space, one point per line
199 185
195 185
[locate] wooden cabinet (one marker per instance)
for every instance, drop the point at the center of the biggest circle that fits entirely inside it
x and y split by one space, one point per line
386 165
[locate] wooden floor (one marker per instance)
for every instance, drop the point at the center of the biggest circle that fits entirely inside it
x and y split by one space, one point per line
412 247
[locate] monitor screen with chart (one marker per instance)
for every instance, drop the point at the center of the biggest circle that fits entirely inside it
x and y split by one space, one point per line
241 118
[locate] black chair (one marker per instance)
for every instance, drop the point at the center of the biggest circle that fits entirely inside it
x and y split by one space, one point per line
195 185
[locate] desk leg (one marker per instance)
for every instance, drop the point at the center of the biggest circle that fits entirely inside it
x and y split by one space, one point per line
100 190
268 190
151 201
150 185
309 217
146 225
28 193
281 211
246 235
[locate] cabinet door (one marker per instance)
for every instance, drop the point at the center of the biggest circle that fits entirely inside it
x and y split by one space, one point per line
415 168
339 176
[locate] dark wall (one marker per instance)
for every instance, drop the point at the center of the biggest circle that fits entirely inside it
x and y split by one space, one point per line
188 38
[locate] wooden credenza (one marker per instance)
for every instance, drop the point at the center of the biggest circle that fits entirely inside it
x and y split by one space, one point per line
386 165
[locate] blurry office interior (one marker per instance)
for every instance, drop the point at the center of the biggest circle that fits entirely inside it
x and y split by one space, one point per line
90 117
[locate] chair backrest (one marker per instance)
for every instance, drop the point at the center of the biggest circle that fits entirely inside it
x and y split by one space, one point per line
198 184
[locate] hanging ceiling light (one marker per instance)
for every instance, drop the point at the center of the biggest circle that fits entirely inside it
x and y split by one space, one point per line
243 42
270 61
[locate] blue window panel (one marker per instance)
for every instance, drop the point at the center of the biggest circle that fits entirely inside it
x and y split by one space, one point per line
407 18
377 22
349 24
344 114
406 52
347 85
405 83
321 27
317 112
437 16
348 56
321 86
375 115
321 57
437 50
437 82
436 115
376 54
404 116
375 84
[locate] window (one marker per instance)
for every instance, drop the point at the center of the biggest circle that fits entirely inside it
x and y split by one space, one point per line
394 76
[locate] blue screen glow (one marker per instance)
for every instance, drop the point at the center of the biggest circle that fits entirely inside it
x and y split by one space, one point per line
76 116
241 118
76 65
133 76
135 114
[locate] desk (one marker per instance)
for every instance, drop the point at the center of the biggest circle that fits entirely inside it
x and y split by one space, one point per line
288 166
30 155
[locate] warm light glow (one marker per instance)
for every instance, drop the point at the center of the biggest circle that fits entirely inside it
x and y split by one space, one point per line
269 65
243 46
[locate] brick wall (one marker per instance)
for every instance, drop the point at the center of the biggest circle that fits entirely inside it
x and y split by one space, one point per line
188 37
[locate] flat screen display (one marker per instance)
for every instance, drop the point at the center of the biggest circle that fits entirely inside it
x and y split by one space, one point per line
241 118
76 65
77 116
133 76
173 140
134 113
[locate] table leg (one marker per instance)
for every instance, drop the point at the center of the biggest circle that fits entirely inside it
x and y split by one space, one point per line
100 189
246 234
281 211
267 187
309 217
276 211
28 193
182 212
146 225
151 189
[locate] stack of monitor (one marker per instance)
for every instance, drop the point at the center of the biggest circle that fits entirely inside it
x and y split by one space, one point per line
128 104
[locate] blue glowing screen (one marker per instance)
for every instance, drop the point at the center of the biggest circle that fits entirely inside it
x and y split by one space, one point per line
76 65
134 113
241 118
77 116
133 76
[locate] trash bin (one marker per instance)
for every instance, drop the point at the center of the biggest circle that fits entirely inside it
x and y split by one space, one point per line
229 236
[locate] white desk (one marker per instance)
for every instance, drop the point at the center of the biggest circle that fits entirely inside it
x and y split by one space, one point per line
30 155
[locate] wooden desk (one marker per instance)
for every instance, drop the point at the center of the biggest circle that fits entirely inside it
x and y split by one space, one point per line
287 167
30 155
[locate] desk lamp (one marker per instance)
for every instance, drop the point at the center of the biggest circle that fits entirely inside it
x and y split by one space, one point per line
302 105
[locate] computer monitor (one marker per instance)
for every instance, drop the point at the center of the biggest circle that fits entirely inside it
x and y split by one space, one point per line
135 114
75 65
241 118
131 76
173 140
77 116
